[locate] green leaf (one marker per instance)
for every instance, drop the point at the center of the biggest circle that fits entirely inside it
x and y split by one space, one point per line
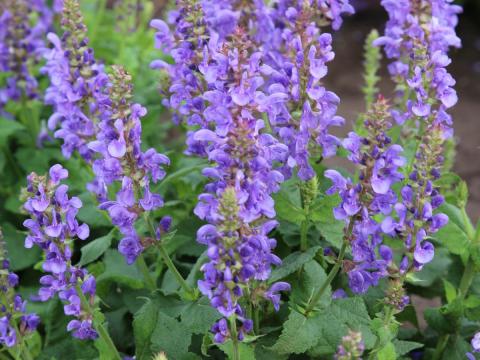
287 203
171 337
312 278
292 263
453 238
245 351
117 270
199 316
20 258
96 248
437 321
91 214
321 215
144 323
387 352
9 127
404 347
450 291
298 335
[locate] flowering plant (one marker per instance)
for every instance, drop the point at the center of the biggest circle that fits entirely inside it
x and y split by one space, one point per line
172 189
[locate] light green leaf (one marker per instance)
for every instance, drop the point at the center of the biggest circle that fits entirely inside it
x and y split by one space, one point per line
450 291
312 278
245 351
453 238
387 352
292 263
96 248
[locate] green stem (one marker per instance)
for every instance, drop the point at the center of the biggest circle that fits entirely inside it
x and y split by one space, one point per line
168 261
442 343
388 310
23 348
102 331
468 225
142 265
467 278
318 295
256 320
304 235
233 330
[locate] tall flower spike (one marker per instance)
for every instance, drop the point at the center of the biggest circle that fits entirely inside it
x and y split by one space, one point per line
379 162
351 348
14 321
78 83
52 227
121 160
417 37
22 30
300 110
237 203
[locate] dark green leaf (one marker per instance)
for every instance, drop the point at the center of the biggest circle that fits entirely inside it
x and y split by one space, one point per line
199 316
20 257
312 278
404 347
117 270
245 351
96 248
171 337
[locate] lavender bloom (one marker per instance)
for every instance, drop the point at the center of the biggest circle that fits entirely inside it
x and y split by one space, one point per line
12 307
418 36
121 160
52 227
215 86
77 85
22 30
300 110
379 162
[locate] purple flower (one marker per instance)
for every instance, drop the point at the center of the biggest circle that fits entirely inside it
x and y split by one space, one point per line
77 85
13 314
51 227
119 159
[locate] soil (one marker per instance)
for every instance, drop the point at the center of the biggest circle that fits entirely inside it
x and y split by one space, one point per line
345 79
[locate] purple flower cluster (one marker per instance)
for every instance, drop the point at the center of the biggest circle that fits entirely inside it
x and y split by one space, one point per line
379 162
300 109
77 84
52 227
216 81
418 36
121 159
12 307
23 25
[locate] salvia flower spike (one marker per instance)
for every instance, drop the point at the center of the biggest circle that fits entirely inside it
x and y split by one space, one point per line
78 84
15 322
53 227
121 160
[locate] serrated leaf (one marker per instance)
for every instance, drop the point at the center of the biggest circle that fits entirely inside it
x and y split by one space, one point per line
404 347
456 349
311 279
96 248
245 351
292 263
387 352
144 323
199 316
321 215
298 335
171 337
287 203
